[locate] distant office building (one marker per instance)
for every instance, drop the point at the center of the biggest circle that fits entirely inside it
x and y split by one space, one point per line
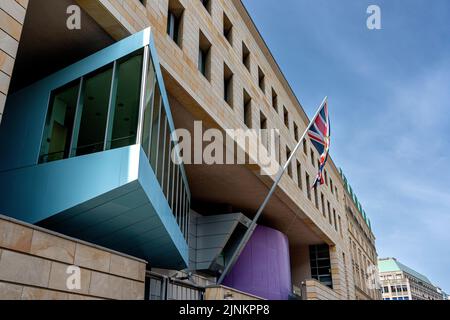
400 282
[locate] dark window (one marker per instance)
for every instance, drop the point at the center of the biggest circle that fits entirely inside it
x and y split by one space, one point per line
263 127
144 2
204 56
245 56
247 103
316 198
308 188
288 155
175 21
329 212
312 158
334 219
261 80
299 175
227 29
228 85
305 147
319 257
296 136
286 117
274 100
322 198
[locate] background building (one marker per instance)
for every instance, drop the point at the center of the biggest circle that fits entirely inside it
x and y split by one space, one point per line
85 145
400 282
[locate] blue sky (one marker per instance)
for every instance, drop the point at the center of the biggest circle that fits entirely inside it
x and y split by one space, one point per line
389 93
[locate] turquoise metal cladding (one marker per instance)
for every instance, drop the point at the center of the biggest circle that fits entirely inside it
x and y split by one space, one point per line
111 198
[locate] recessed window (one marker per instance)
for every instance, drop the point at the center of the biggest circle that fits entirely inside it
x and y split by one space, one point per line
228 85
263 127
247 103
316 198
308 183
331 186
322 200
296 136
286 117
299 175
326 175
227 29
204 56
175 21
274 100
245 56
288 155
334 219
261 80
144 2
312 157
305 147
329 212
207 5
320 263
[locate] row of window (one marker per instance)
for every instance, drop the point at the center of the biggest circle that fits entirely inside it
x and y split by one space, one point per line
397 298
174 30
395 289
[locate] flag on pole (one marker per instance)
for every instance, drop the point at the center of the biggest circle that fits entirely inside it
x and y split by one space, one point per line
319 133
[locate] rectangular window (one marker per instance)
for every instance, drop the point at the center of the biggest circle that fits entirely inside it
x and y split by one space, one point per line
274 100
245 56
326 175
312 158
340 226
204 56
288 155
316 198
227 29
296 136
263 127
247 104
308 183
228 85
320 262
329 213
305 147
299 175
322 198
59 124
334 219
94 114
126 109
261 80
286 117
175 21
331 186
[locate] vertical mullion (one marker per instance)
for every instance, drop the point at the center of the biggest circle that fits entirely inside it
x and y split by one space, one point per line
111 108
77 120
173 185
152 103
163 167
145 61
158 137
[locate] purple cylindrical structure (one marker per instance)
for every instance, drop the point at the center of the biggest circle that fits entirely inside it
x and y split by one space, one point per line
263 268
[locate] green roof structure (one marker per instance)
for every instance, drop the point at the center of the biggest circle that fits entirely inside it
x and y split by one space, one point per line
392 265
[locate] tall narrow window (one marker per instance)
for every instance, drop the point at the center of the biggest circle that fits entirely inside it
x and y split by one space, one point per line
227 29
340 226
263 127
329 213
305 147
274 100
296 136
286 117
261 80
326 176
312 158
334 220
126 111
175 21
204 56
308 188
59 124
247 104
245 56
322 199
91 136
316 198
331 186
299 175
288 155
228 85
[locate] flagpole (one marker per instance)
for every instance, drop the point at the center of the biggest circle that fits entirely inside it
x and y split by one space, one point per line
252 226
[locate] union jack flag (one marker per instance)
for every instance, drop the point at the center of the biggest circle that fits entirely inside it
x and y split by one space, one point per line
319 133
